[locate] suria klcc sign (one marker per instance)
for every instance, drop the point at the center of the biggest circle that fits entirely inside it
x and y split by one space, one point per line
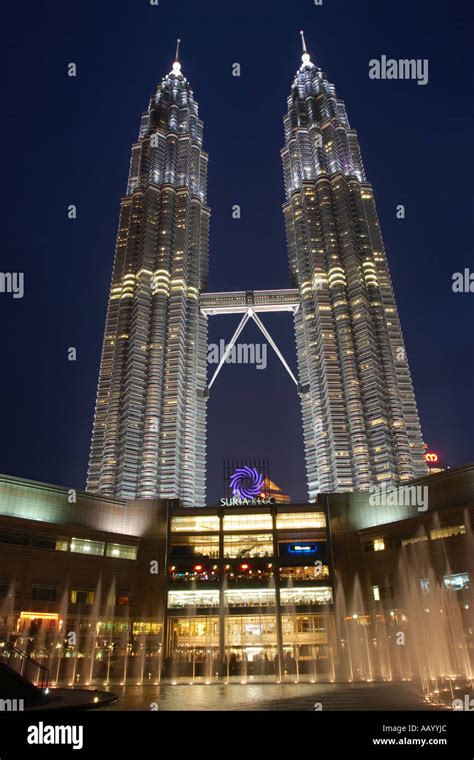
246 484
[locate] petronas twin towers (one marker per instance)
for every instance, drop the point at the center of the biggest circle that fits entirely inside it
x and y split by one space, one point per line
360 420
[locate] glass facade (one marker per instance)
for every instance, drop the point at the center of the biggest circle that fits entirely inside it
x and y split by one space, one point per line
242 606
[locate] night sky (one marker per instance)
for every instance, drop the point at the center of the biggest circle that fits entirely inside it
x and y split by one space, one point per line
68 141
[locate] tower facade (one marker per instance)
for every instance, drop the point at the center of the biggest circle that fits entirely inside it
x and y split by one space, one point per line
360 420
150 421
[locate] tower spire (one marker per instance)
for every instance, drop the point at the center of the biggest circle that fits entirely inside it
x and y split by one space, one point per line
176 64
303 42
305 57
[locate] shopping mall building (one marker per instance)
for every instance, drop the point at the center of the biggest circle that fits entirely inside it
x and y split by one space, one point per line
114 589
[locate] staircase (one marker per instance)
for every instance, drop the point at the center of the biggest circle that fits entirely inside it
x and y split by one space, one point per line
21 677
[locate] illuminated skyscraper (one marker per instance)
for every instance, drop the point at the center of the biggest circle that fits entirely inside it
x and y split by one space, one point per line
149 428
360 419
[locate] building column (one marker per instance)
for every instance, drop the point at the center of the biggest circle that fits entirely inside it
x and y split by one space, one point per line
276 576
221 564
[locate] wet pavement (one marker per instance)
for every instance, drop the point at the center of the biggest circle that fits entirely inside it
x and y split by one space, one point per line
269 697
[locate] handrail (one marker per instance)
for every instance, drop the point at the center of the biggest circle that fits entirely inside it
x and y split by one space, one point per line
42 675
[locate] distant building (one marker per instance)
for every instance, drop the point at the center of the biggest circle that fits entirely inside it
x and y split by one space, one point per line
271 490
434 461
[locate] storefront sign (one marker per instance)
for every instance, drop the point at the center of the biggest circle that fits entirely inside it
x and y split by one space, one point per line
236 502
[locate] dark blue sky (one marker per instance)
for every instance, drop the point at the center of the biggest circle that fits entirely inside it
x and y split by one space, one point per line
68 141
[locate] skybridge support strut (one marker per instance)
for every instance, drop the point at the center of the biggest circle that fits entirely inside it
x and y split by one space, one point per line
250 314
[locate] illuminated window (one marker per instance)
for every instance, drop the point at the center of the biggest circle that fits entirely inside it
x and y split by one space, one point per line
457 581
193 599
249 597
47 620
62 544
108 626
255 545
191 632
122 600
84 546
79 596
307 596
447 532
304 629
198 547
121 551
382 592
379 544
413 540
250 630
307 573
196 574
140 627
248 521
194 524
300 520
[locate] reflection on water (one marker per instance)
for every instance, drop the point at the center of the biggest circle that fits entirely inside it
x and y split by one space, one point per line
358 696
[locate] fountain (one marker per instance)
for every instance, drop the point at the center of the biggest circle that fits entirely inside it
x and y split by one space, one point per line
415 634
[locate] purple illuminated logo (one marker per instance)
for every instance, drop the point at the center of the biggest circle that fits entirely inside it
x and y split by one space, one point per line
246 483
